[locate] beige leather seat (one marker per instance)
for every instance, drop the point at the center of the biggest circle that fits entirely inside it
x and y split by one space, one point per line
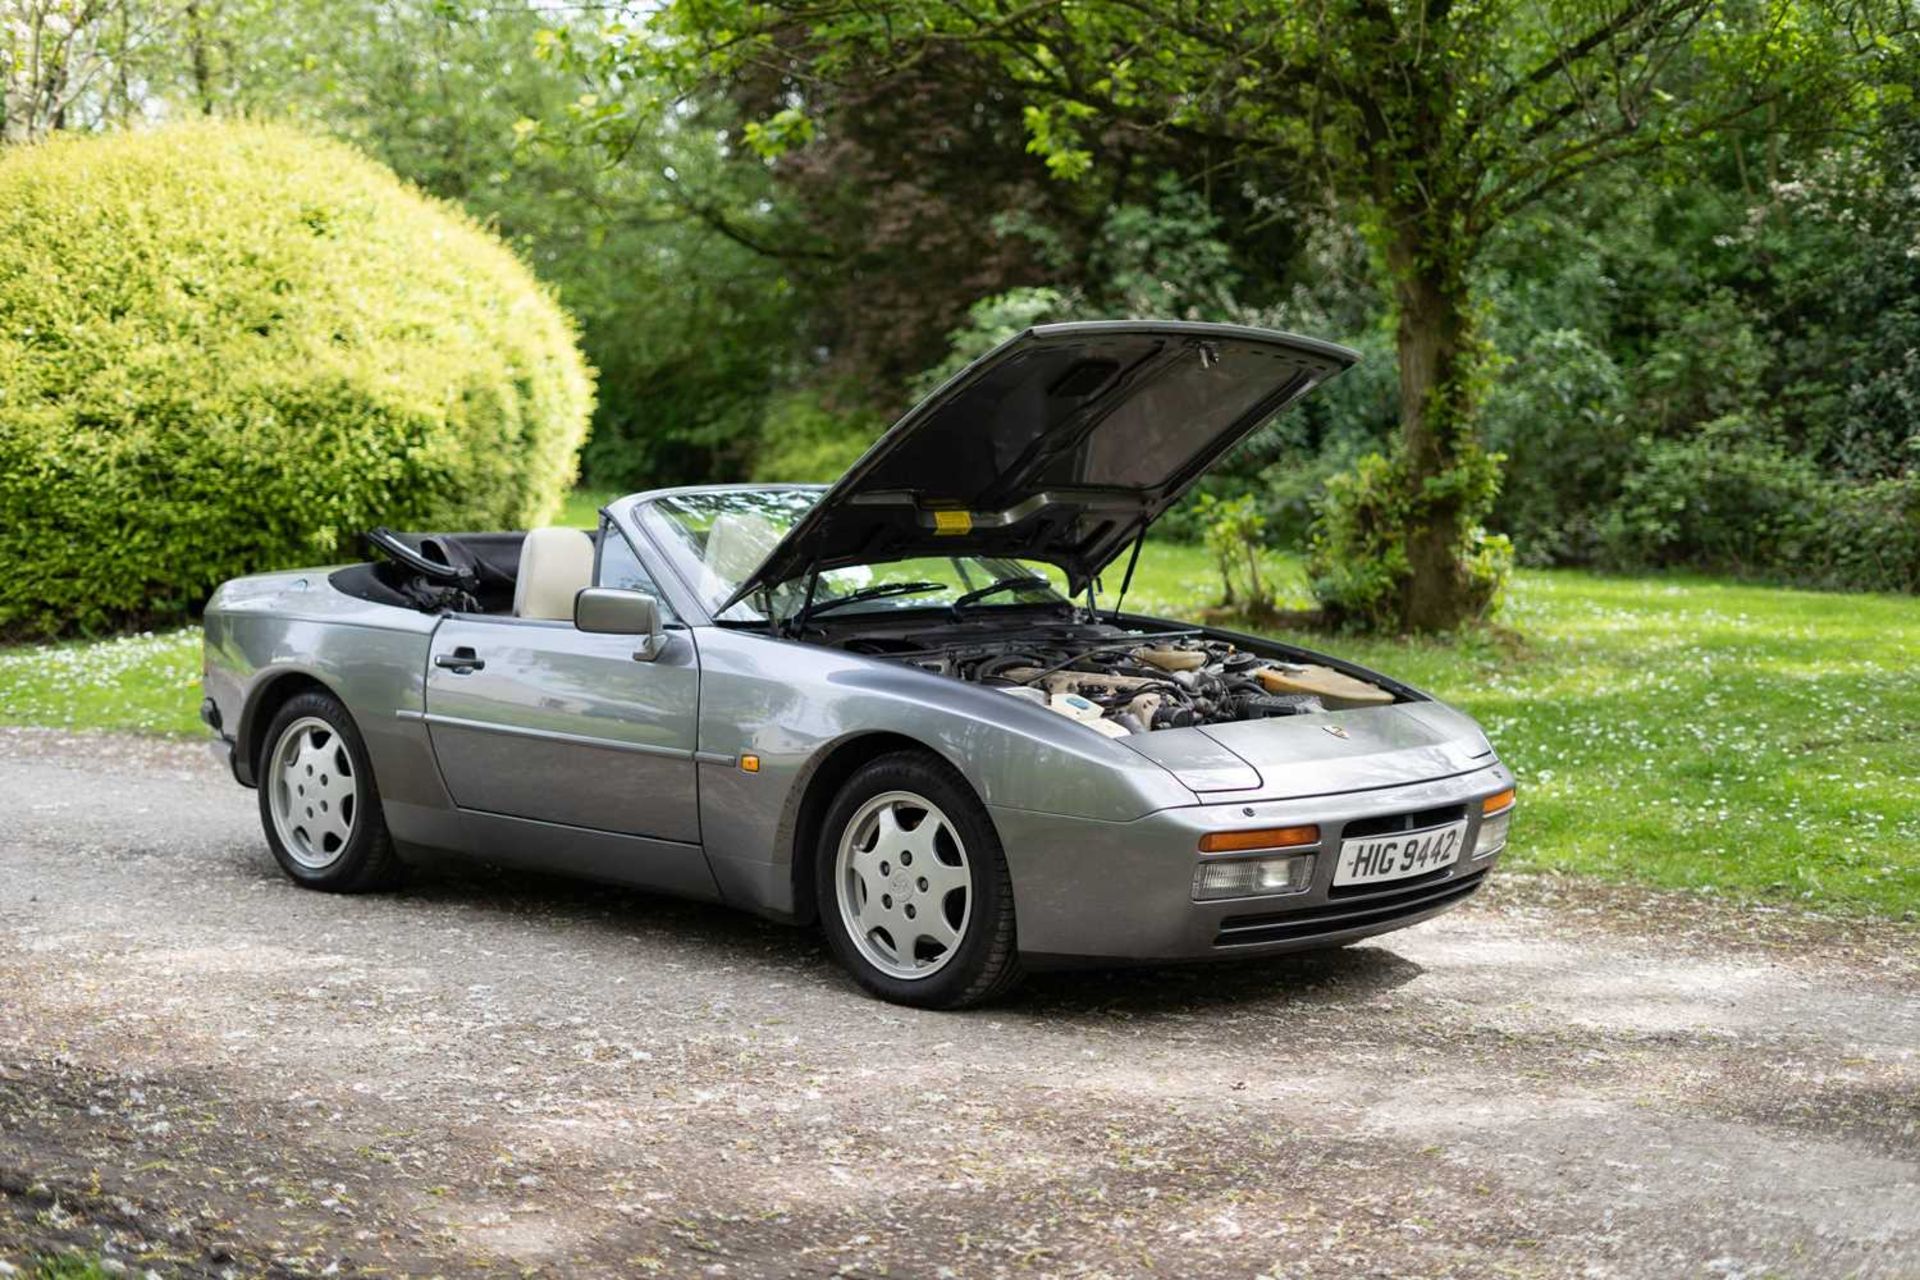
555 564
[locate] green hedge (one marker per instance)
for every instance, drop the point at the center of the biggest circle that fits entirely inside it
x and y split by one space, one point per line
229 348
1727 502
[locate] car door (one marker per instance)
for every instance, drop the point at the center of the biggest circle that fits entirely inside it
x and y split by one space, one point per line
536 719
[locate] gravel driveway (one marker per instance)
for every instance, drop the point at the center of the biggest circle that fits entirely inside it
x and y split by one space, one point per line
206 1071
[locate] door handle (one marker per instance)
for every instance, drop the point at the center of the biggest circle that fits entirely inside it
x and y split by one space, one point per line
460 661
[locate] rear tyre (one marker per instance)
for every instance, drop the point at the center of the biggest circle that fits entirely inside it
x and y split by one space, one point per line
913 887
318 800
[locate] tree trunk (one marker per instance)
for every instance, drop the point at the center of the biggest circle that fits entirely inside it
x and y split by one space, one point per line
1438 359
197 58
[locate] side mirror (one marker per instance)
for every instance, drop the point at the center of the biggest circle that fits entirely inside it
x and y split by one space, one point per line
613 612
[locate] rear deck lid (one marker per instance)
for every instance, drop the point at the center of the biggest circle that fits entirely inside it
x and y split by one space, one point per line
1060 445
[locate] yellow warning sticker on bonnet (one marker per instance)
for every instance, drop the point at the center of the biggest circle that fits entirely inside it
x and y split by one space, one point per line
945 522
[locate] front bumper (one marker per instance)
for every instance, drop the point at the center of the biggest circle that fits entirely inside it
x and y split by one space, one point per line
1086 890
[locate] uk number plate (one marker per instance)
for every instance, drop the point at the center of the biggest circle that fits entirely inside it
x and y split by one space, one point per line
1399 856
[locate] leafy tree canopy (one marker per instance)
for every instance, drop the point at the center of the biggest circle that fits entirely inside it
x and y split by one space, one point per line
1430 125
1623 244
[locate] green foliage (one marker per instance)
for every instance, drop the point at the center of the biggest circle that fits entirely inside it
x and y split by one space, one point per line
1722 499
227 348
777 223
806 439
1286 466
1155 259
1358 561
1429 128
1725 501
581 510
831 239
1736 340
694 330
1825 265
1235 534
1869 537
659 258
72 1266
1162 257
778 133
1558 411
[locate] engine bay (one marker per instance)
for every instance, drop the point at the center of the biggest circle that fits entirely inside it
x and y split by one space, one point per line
1122 682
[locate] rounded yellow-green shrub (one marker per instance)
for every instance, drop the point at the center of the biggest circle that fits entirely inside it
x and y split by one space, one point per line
226 348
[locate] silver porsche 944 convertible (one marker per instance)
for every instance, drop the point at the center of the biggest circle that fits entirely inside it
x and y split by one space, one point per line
863 705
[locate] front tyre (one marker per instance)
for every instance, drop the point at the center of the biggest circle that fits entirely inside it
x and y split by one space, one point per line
913 887
318 800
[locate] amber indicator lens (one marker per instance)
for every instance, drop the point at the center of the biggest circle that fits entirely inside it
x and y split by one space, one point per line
749 764
1494 804
1266 838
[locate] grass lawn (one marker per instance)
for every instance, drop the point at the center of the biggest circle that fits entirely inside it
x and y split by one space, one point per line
148 683
582 507
73 1266
1680 731
1700 734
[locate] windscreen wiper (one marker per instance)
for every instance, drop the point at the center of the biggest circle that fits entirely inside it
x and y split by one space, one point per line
995 588
880 591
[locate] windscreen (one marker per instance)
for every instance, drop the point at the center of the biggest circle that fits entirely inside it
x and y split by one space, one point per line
717 539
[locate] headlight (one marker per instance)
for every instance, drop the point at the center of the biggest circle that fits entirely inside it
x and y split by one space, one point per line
1253 877
1493 828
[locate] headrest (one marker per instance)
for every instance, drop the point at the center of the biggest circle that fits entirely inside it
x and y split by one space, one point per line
737 543
555 564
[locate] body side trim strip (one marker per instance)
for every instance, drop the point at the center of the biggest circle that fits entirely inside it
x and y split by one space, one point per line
555 735
678 846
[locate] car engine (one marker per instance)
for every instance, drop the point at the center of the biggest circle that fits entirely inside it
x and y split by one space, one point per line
1123 683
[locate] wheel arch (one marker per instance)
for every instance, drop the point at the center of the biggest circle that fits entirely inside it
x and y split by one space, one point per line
829 773
264 701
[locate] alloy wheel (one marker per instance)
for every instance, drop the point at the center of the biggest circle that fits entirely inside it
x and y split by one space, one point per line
314 797
904 886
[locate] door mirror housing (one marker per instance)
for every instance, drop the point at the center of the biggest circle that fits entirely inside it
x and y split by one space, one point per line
613 612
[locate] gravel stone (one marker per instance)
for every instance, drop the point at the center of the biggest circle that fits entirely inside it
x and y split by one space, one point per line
205 1071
